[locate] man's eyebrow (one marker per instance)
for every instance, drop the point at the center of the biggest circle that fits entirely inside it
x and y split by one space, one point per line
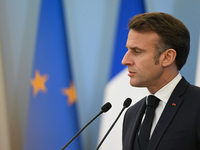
134 48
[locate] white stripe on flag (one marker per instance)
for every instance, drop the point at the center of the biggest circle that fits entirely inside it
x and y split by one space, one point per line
197 79
117 90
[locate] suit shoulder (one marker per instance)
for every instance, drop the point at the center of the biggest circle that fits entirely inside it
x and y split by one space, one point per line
194 88
193 91
184 87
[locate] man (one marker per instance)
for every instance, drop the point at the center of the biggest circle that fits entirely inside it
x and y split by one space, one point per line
157 48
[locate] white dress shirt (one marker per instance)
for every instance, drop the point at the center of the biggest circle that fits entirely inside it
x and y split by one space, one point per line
163 94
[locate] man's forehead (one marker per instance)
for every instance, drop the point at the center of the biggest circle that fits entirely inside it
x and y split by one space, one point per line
135 37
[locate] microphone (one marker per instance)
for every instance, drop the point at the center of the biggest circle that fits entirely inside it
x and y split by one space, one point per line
104 109
126 104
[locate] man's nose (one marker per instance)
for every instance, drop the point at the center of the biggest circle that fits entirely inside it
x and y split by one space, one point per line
126 59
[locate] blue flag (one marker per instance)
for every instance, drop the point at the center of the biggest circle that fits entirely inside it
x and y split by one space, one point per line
128 9
52 118
118 87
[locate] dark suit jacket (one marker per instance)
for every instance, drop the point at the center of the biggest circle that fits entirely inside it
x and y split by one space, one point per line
179 125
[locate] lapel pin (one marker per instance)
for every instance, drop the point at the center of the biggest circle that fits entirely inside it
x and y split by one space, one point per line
173 104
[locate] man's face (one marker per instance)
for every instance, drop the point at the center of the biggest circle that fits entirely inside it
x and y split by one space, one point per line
140 59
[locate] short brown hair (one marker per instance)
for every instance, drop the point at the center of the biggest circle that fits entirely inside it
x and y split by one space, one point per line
172 32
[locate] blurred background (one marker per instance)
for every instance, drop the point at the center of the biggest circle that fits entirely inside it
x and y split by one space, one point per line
91 27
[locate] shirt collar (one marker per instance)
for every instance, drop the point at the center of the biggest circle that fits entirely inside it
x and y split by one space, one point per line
165 92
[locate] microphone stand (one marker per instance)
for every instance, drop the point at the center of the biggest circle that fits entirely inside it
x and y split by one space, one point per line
81 130
110 129
126 104
104 109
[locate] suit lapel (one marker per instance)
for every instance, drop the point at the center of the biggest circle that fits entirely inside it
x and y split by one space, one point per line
168 114
137 122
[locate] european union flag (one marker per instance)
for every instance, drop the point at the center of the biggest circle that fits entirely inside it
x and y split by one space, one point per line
52 118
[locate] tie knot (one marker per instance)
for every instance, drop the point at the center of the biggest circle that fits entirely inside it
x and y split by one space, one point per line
153 101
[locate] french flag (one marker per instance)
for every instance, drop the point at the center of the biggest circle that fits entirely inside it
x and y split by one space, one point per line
118 87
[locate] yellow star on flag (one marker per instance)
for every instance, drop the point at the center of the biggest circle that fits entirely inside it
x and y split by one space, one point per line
38 83
70 92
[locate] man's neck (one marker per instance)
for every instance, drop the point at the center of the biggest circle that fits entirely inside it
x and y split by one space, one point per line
163 82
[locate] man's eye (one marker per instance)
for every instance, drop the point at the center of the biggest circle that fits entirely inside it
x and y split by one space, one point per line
137 52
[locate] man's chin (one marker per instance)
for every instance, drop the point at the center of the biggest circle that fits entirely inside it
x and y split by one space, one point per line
134 84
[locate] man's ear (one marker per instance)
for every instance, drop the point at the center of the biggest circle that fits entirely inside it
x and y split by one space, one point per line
168 57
